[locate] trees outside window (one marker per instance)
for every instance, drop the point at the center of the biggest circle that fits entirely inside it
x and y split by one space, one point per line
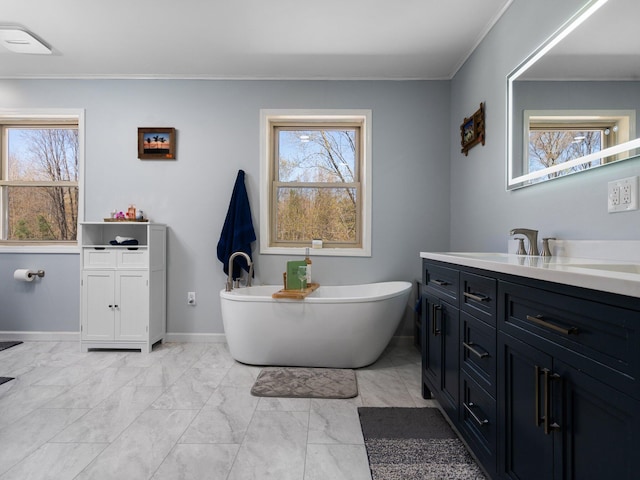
550 147
39 183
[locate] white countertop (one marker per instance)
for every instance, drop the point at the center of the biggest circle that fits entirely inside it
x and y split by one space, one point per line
612 276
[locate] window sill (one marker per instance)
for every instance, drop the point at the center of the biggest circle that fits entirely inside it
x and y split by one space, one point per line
317 252
40 249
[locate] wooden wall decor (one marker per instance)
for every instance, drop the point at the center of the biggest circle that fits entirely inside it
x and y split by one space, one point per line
157 143
472 130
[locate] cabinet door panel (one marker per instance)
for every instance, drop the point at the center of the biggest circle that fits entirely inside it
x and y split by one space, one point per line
441 338
97 305
133 305
600 428
432 344
449 324
527 453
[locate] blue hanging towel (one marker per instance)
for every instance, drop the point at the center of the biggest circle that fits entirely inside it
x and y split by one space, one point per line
237 232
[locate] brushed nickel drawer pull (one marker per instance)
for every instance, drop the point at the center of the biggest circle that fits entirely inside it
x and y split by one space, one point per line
434 315
548 377
473 415
477 298
539 320
441 283
469 346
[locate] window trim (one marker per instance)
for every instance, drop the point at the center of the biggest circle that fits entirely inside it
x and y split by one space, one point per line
36 116
270 116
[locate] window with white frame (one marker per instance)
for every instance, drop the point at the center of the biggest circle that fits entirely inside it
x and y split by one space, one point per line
316 181
39 180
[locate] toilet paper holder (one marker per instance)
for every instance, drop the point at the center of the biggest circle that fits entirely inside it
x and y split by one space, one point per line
39 273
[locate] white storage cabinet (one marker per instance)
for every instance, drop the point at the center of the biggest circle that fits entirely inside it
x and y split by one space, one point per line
123 287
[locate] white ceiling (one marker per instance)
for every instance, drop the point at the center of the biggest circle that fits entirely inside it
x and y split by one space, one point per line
292 39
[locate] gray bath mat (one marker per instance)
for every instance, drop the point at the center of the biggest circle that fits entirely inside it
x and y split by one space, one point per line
5 345
415 443
296 382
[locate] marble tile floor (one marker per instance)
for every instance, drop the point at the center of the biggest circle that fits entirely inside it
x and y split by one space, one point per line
183 411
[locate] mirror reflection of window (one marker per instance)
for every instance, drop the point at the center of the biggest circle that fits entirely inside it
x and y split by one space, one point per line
556 137
579 68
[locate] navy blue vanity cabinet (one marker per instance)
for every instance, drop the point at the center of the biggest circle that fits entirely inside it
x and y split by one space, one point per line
547 374
440 337
568 391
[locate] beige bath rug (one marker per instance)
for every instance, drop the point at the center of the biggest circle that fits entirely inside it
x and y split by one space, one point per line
296 382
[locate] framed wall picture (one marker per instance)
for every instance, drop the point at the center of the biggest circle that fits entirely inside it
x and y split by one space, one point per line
472 130
157 143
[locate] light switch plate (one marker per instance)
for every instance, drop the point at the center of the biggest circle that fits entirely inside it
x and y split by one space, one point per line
623 195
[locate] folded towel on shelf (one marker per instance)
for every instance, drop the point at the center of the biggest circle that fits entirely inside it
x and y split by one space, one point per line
237 232
124 241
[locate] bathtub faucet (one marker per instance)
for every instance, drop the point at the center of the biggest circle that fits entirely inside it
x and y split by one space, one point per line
230 284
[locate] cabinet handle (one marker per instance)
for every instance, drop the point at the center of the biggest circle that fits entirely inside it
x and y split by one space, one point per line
548 426
546 418
539 319
476 297
473 415
469 346
537 394
110 306
442 283
434 315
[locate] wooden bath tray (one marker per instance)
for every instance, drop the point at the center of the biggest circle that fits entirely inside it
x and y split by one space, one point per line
296 294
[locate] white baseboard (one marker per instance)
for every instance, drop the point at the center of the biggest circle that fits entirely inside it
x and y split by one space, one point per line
195 337
169 337
41 336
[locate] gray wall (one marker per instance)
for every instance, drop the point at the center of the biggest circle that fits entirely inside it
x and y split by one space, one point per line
482 211
217 126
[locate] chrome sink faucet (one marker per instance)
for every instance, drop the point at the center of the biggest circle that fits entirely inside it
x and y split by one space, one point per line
532 237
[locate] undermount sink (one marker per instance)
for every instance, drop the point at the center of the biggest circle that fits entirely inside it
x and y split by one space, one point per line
622 267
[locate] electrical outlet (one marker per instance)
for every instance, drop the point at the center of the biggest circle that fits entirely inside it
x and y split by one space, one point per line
614 194
623 195
191 298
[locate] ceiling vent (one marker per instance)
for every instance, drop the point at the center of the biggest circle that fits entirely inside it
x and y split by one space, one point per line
17 40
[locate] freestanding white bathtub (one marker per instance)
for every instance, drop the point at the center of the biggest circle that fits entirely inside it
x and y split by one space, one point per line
335 326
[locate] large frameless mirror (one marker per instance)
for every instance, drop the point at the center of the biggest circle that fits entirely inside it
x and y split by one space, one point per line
572 103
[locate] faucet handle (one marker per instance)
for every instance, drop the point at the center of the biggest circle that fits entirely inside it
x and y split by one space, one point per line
546 252
521 250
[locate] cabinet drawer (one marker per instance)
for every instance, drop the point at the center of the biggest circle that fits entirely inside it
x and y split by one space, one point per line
478 419
441 281
94 258
577 330
478 296
133 258
478 352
